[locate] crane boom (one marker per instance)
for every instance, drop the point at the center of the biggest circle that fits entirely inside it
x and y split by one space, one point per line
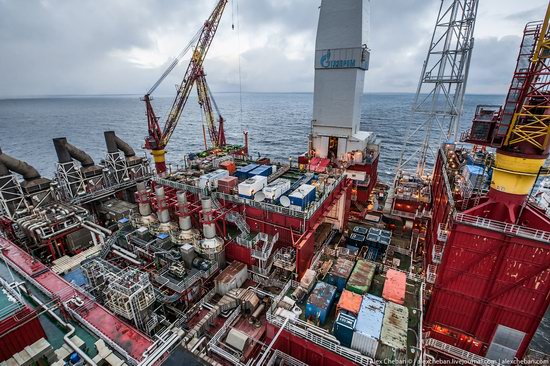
206 101
157 139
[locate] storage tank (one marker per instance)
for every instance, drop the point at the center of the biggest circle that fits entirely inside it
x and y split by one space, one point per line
395 286
343 328
320 302
349 303
275 189
368 327
340 272
303 196
361 277
251 186
393 336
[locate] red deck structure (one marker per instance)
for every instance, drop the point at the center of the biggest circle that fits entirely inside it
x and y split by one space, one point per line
490 273
99 319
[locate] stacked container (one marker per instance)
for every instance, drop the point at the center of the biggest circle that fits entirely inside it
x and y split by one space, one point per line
368 327
211 179
320 302
393 336
226 184
356 240
251 186
244 172
349 303
395 286
275 189
263 170
343 328
361 277
340 272
360 230
303 196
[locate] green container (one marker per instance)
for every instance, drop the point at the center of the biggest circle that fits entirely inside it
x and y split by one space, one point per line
361 277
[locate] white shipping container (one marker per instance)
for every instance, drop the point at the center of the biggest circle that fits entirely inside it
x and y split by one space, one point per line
212 178
252 185
368 326
275 189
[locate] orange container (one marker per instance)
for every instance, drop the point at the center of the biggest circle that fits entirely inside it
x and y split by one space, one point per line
395 286
349 301
229 166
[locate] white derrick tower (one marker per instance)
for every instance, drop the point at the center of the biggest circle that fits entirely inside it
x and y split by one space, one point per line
341 58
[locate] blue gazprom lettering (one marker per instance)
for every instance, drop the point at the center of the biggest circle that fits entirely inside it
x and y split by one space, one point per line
327 63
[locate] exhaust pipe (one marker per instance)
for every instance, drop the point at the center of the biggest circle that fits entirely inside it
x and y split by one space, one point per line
8 163
66 152
115 143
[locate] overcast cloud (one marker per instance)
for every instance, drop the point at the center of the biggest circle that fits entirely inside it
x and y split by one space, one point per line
52 47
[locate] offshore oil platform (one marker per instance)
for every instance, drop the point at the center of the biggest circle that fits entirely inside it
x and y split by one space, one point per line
231 260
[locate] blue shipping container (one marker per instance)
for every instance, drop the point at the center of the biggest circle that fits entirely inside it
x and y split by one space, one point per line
360 230
343 328
320 302
303 196
357 240
264 170
243 172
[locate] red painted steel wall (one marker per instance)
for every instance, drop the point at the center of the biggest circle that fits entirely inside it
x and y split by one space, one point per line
303 350
487 278
18 339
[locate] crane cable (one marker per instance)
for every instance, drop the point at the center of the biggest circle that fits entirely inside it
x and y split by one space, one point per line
236 7
176 61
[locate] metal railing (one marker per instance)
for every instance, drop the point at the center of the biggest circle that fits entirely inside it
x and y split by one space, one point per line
458 353
315 334
442 233
502 227
431 273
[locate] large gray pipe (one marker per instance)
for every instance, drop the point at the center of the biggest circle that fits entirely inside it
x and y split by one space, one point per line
7 164
115 143
185 219
144 206
66 152
162 213
209 229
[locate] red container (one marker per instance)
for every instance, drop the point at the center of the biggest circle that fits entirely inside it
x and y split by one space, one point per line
226 184
395 286
229 166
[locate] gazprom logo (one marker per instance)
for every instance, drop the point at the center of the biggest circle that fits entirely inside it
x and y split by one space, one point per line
327 63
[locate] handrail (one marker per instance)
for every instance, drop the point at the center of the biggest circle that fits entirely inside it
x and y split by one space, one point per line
502 227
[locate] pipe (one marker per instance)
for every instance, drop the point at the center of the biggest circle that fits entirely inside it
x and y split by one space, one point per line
162 213
8 163
115 143
208 227
66 152
68 326
268 349
98 227
159 352
184 220
144 207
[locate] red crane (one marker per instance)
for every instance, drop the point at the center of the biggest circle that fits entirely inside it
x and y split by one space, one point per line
158 138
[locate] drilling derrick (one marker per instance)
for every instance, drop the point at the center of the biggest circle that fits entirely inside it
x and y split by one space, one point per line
488 261
437 106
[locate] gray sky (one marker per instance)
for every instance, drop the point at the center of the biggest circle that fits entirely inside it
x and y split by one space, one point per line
122 46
